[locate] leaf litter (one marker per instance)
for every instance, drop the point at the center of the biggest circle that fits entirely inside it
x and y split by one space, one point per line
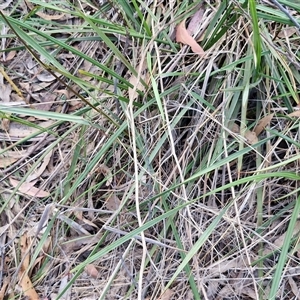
87 217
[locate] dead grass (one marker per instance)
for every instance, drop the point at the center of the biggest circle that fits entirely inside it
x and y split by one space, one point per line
133 168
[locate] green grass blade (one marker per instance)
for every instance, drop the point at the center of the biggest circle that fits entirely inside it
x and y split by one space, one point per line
256 35
284 252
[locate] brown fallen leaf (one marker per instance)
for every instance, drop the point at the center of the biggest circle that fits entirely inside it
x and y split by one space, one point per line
5 124
50 17
262 124
167 295
112 202
287 32
106 172
45 100
6 161
234 127
182 36
91 270
63 284
46 76
10 55
28 189
20 130
9 157
5 91
295 113
250 136
278 243
42 86
294 286
222 268
39 171
249 292
25 281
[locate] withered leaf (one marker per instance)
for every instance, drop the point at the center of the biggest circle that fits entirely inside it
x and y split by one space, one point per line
182 36
25 281
112 202
28 189
262 124
91 270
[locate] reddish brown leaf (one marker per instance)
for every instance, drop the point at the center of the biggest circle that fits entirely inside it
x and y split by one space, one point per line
182 36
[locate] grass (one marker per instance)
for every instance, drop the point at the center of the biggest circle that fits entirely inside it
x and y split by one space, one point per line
135 171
